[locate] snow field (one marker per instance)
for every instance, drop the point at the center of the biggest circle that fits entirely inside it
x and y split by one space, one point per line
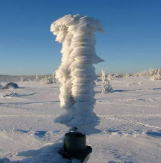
129 128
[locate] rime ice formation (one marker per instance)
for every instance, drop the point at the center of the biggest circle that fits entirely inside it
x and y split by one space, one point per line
76 73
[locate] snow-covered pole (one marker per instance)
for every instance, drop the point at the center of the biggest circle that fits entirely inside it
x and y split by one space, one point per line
76 73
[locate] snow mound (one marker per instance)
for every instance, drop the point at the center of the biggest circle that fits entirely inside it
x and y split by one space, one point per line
11 85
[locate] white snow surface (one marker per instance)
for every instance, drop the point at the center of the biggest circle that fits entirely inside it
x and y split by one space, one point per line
129 128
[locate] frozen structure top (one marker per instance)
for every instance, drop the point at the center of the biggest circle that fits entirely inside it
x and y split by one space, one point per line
76 73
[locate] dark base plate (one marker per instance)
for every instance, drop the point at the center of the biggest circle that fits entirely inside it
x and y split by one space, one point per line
80 155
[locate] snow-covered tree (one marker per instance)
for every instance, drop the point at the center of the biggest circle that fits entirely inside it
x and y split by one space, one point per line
103 75
53 77
127 75
37 78
106 86
152 73
110 77
156 76
47 79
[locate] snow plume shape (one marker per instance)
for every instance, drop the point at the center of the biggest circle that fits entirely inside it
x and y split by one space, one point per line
76 73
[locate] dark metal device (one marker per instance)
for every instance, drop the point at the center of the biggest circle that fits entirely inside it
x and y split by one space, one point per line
75 147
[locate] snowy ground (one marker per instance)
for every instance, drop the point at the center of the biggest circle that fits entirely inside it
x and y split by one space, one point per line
129 130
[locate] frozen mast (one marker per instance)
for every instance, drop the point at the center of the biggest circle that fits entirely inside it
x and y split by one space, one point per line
76 73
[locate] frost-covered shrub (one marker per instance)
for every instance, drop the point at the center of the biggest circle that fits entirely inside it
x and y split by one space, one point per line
156 76
106 86
53 77
152 73
127 75
110 77
44 79
103 75
47 80
37 78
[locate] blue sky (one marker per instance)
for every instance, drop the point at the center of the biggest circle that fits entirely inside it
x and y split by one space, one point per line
131 41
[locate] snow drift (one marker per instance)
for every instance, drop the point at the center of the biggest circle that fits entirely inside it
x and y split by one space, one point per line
76 73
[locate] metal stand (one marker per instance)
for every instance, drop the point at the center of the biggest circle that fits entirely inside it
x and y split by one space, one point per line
75 147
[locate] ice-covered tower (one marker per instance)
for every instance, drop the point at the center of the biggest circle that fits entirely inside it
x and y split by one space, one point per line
76 73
